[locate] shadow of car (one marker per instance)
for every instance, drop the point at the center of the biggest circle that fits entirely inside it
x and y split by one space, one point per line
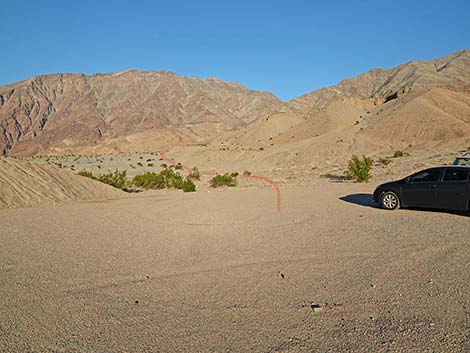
360 199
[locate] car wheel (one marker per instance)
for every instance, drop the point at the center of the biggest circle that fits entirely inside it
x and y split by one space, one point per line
389 201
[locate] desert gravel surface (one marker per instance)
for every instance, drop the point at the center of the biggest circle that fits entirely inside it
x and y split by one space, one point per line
223 271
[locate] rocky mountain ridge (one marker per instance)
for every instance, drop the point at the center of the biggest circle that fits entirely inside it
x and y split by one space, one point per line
72 110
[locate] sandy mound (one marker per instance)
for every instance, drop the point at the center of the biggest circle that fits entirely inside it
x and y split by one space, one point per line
24 184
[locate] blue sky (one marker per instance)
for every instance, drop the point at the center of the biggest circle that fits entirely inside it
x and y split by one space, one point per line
286 47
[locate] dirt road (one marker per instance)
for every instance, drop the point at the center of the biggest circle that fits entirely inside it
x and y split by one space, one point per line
223 271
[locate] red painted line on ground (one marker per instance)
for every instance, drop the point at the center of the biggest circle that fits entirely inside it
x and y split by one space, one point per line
209 173
274 184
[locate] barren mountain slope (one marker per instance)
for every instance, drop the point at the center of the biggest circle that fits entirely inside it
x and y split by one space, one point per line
24 184
74 110
415 103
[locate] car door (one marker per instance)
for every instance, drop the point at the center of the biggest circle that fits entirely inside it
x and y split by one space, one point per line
420 188
454 190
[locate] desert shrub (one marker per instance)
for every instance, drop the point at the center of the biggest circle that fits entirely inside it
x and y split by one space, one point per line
150 165
117 178
384 161
188 185
167 178
398 154
223 180
195 174
178 166
359 168
176 182
149 180
246 173
86 173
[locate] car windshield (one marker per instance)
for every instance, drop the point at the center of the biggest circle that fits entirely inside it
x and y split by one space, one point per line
462 161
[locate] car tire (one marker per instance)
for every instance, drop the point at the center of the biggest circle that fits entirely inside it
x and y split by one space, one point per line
389 201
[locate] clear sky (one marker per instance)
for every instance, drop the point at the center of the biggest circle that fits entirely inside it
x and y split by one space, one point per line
288 47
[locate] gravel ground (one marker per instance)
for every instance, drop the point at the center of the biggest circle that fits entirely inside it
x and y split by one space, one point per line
222 271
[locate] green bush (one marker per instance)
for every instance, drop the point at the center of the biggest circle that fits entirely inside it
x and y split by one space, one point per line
195 174
118 178
167 178
224 180
398 154
359 168
86 173
188 185
149 180
384 161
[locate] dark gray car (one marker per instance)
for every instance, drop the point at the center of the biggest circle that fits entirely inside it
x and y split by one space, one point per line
441 188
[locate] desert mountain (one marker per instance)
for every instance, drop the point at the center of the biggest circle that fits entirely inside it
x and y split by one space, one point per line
24 184
417 103
56 112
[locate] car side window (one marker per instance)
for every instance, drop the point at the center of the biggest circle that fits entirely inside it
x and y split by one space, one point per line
426 176
462 161
455 175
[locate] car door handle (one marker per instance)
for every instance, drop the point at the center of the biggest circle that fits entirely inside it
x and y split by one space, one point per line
434 185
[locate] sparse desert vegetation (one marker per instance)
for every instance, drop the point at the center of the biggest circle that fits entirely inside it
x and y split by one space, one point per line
103 163
117 179
359 168
227 179
384 161
399 154
167 178
195 174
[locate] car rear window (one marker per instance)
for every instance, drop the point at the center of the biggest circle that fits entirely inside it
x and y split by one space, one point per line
455 175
